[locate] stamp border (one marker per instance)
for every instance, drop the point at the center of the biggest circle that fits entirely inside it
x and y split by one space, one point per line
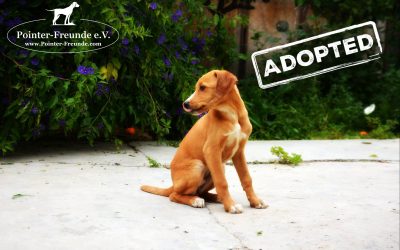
326 70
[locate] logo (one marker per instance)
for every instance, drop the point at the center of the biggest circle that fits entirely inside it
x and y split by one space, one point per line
52 36
347 47
67 12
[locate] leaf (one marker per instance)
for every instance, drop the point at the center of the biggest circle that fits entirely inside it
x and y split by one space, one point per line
116 63
16 196
115 74
50 82
103 72
66 85
106 124
53 101
78 57
69 101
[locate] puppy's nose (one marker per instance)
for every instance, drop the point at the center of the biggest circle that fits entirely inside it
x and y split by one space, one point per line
186 105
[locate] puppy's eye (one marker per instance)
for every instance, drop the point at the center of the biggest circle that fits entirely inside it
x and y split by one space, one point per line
202 88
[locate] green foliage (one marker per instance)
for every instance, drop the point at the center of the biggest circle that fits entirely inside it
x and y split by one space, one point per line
153 163
139 82
379 130
285 158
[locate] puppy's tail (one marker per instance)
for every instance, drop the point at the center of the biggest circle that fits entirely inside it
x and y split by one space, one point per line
157 190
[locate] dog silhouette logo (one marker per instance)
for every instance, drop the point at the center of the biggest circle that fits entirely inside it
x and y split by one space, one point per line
67 12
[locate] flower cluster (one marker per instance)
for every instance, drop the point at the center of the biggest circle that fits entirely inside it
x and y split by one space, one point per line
168 76
161 39
34 110
35 62
125 41
167 62
85 70
177 14
102 89
153 6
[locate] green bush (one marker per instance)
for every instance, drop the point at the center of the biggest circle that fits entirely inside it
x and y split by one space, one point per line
140 81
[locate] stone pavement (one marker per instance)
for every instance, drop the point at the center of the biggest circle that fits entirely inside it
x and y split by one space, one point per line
70 196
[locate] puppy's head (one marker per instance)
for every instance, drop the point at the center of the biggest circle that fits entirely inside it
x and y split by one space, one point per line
209 90
75 4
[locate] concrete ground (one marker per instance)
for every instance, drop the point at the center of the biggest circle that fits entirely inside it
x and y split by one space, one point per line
70 196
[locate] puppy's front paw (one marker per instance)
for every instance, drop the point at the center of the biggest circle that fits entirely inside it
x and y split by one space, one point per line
259 205
236 209
198 202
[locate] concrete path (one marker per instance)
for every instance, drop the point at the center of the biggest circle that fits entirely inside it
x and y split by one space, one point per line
70 196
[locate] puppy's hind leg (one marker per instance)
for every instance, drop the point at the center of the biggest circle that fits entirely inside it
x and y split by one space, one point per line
190 200
187 177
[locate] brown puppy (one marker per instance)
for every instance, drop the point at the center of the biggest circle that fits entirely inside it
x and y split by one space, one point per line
220 135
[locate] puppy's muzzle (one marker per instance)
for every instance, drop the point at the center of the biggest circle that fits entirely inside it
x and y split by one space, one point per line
186 106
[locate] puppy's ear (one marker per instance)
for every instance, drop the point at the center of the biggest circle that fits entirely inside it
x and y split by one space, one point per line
225 81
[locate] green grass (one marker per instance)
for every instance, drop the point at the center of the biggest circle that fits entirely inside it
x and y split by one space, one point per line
153 163
284 157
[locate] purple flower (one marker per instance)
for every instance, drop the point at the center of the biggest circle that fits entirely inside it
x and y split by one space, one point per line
90 70
137 49
99 90
112 80
100 125
81 69
168 76
177 55
179 111
24 102
61 123
125 41
153 6
85 70
208 33
35 61
166 61
194 61
34 110
161 39
183 44
24 52
177 14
